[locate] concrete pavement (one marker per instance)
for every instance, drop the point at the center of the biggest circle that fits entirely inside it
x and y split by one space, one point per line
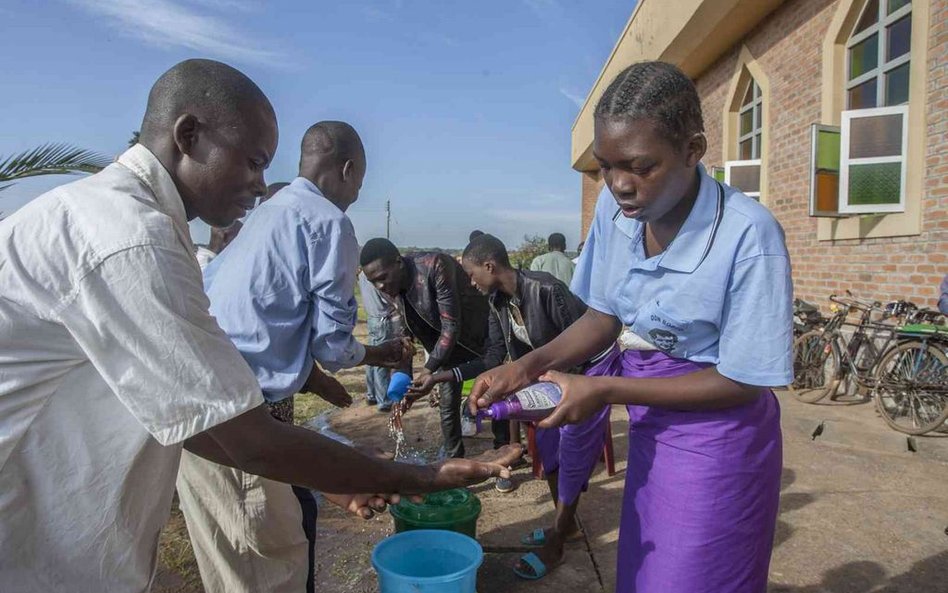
860 511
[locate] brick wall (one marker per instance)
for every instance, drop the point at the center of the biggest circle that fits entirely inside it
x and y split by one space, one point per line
592 185
788 48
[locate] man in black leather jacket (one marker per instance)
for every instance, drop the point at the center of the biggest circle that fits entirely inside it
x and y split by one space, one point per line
442 311
528 310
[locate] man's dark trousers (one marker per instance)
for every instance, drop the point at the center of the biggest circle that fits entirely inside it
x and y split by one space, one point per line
451 422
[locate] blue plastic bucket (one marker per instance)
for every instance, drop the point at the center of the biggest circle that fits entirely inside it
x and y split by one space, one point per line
427 561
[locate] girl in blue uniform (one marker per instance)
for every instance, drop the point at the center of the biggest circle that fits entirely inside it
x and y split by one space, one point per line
701 272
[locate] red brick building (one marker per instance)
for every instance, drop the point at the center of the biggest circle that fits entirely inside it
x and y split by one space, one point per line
835 112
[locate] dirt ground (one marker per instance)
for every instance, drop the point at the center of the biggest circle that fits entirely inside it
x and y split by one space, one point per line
863 510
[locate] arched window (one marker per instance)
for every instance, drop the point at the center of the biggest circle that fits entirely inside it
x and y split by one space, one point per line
750 118
878 55
861 166
744 132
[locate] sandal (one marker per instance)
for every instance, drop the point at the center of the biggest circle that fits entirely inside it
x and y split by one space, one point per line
534 562
537 538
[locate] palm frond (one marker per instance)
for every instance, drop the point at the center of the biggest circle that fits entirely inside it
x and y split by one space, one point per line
51 159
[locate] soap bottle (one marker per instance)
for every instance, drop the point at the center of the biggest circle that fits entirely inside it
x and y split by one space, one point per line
531 404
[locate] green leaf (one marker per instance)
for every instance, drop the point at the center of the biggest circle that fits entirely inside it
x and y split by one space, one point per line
50 159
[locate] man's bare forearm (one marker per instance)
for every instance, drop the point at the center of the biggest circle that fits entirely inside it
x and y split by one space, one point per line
261 445
203 445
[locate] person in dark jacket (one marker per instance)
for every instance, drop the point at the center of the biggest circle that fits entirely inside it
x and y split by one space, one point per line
528 310
443 312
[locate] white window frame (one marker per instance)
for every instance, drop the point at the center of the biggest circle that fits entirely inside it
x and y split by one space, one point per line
756 106
882 69
845 162
744 163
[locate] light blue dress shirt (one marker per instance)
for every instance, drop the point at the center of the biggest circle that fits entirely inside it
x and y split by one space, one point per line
283 290
720 293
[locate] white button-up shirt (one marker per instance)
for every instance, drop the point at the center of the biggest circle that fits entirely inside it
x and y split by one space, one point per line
109 359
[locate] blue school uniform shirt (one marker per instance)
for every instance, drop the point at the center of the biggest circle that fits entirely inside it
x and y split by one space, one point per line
721 293
283 290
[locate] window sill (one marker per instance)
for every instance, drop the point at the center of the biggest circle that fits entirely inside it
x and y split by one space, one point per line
871 226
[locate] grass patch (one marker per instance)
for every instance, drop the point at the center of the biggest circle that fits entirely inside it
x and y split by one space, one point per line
176 556
307 406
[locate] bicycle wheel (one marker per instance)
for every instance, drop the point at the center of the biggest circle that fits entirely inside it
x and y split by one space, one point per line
815 366
911 391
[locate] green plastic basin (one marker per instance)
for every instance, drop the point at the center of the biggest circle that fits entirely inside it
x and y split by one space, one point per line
451 510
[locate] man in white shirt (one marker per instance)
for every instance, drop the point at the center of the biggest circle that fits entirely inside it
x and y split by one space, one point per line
110 361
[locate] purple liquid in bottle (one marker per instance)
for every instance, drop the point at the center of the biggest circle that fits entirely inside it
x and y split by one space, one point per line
530 404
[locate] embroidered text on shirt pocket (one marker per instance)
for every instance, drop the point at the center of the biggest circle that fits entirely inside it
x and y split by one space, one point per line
667 332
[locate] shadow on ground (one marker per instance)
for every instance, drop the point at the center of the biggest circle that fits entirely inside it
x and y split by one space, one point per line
928 575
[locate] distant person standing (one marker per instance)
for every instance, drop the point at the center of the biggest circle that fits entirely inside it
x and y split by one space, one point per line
272 189
384 323
220 238
579 251
555 261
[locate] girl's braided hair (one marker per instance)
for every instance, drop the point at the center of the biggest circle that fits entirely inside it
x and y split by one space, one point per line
655 91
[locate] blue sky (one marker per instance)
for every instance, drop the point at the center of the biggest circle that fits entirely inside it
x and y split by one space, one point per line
465 108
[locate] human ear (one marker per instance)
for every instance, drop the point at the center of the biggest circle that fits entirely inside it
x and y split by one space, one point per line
185 133
347 168
695 148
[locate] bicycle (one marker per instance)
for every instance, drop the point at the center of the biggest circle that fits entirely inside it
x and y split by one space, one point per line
826 359
806 317
902 365
911 385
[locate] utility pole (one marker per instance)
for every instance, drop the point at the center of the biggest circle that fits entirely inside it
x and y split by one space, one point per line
388 219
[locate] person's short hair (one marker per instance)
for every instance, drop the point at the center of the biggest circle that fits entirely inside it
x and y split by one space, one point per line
580 246
658 92
207 88
378 249
337 139
486 248
474 234
557 241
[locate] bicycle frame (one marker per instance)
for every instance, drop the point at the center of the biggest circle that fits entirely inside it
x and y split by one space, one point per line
925 338
864 336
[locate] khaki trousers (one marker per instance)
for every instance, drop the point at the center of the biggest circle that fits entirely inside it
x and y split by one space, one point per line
246 530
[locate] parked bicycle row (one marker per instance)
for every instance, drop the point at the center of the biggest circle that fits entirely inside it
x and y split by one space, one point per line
894 353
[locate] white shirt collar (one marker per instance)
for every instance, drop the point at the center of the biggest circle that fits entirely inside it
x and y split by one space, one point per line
146 166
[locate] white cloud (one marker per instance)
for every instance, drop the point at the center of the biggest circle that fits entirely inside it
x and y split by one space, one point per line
576 98
239 5
375 13
542 7
167 23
